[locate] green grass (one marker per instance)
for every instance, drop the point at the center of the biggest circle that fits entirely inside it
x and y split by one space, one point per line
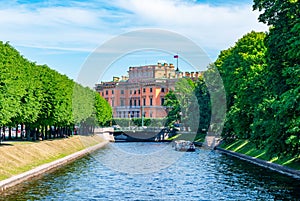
174 137
200 137
15 171
248 148
192 137
2 177
18 157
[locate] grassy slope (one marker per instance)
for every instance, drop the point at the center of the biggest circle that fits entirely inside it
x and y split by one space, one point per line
192 137
19 157
248 148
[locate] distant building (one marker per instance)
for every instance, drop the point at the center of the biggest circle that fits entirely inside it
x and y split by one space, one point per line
142 91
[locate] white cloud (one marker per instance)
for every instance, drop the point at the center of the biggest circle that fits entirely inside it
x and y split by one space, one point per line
215 27
81 26
61 27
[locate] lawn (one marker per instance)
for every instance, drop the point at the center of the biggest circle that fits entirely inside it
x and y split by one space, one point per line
18 157
248 148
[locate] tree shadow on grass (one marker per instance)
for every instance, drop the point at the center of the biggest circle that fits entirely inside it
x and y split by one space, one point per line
5 144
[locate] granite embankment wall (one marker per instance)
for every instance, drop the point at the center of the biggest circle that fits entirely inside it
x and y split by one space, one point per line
267 164
17 179
263 163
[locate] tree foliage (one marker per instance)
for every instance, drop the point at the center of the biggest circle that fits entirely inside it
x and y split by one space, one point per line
173 108
282 124
38 97
103 110
204 104
189 105
261 75
189 108
241 68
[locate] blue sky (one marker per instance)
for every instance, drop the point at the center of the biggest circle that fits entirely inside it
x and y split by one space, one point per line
62 34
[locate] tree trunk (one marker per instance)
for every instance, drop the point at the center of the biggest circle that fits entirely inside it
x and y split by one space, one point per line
27 130
34 134
22 132
17 129
9 134
55 132
60 132
45 133
3 133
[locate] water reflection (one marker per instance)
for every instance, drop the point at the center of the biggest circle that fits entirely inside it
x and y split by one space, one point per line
202 175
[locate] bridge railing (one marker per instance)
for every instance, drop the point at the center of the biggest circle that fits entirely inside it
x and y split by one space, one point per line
132 128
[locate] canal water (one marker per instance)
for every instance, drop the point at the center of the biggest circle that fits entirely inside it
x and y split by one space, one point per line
200 175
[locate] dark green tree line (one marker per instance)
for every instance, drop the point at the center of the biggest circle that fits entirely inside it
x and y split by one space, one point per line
281 128
41 98
241 68
189 105
261 75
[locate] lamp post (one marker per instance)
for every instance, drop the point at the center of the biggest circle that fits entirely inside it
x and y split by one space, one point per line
179 120
112 116
142 116
129 117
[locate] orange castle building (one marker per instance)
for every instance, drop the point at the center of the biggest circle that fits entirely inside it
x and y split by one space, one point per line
142 91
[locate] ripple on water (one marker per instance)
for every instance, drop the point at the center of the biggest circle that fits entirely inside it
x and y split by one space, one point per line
201 175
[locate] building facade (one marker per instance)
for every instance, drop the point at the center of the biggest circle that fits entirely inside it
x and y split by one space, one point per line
143 91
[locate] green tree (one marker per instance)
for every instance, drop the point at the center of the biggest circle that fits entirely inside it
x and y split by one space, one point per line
10 90
281 125
204 104
103 110
241 68
173 108
40 97
83 105
185 93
